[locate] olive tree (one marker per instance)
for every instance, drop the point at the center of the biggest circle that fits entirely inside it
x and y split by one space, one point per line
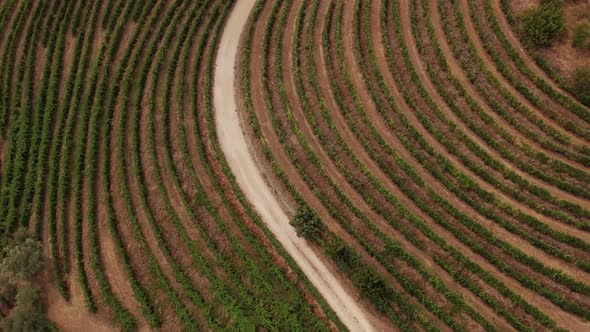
20 259
543 23
27 315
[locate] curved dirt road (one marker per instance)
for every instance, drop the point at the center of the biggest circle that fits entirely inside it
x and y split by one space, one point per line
249 177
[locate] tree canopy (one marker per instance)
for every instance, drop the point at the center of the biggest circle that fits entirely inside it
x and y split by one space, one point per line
307 223
543 23
20 259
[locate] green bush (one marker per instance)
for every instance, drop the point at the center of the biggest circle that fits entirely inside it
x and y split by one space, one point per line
7 294
581 84
542 24
307 223
21 258
582 36
24 321
27 315
29 298
21 261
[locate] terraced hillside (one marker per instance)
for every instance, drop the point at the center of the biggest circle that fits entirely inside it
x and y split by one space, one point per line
289 165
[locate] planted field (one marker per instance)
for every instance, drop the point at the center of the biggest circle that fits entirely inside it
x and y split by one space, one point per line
290 165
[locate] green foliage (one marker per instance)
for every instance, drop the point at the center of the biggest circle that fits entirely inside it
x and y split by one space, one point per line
581 84
21 261
27 314
7 294
542 24
581 38
29 298
25 321
307 223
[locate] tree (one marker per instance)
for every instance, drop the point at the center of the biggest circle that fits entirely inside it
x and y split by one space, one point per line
543 23
307 223
7 294
27 315
343 256
581 84
29 298
21 261
21 320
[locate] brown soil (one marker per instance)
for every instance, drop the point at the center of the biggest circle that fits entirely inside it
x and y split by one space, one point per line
376 37
72 316
69 48
372 113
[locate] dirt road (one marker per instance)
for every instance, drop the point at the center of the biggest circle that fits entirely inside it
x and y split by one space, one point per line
249 177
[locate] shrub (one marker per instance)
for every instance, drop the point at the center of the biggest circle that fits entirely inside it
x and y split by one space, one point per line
307 223
343 256
7 294
21 261
582 36
581 84
29 298
27 315
24 321
542 24
373 287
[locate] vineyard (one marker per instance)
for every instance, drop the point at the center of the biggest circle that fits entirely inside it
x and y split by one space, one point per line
279 165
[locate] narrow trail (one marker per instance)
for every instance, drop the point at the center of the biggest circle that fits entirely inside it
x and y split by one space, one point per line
249 177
